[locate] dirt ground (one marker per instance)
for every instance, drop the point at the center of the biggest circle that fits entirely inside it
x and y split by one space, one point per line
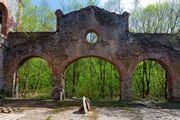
51 110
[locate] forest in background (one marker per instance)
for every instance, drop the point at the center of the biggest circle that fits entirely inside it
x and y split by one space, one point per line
94 77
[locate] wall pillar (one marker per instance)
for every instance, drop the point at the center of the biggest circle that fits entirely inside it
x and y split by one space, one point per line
57 85
175 91
126 87
58 88
1 69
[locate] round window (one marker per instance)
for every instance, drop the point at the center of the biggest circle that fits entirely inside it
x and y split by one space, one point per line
92 37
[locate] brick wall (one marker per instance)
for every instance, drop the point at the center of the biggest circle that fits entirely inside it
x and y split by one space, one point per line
10 10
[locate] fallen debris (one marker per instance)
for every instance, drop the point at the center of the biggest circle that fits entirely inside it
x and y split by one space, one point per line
85 108
9 109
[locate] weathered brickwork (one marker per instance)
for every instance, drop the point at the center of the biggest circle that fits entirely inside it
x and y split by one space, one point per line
9 9
115 44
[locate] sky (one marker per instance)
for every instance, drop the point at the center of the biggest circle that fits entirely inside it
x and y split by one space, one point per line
127 4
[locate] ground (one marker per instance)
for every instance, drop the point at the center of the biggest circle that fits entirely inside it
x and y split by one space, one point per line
54 110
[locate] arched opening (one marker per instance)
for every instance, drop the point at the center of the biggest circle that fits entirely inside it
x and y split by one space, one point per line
3 18
93 77
150 80
33 79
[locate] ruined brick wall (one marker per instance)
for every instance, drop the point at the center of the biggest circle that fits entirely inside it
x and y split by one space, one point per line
10 10
115 44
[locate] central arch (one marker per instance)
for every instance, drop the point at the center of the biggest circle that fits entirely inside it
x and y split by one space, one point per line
113 60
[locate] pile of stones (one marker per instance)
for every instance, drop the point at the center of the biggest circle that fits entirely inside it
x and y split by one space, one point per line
9 109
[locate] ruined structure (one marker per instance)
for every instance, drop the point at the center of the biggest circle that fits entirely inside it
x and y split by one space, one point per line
8 22
113 42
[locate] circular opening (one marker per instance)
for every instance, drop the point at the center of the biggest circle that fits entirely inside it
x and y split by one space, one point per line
92 37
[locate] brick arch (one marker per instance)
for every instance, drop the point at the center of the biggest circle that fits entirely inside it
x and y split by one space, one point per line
25 59
12 68
160 58
4 18
113 60
45 57
20 61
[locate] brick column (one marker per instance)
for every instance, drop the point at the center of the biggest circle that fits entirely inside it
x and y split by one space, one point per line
1 69
126 87
57 81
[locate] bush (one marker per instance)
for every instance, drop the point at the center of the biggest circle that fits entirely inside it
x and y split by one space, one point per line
4 94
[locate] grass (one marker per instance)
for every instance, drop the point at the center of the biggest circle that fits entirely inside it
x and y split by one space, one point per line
129 109
94 115
94 103
109 103
168 105
58 110
48 118
41 95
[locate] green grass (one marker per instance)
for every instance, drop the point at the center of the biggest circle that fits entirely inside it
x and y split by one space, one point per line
48 118
94 115
58 110
109 103
94 103
37 95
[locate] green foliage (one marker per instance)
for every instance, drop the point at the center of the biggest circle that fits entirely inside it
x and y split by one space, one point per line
149 80
156 18
92 77
92 2
72 5
3 94
114 6
34 78
35 18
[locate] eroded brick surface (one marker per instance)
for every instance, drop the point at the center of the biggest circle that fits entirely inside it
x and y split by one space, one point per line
115 44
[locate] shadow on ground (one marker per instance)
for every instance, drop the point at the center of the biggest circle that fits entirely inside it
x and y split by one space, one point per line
68 103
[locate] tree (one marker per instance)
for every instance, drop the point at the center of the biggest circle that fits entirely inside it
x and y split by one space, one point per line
96 79
92 2
36 18
136 4
114 6
156 18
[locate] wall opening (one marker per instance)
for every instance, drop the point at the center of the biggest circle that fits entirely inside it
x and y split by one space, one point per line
91 37
33 79
150 81
3 18
93 77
